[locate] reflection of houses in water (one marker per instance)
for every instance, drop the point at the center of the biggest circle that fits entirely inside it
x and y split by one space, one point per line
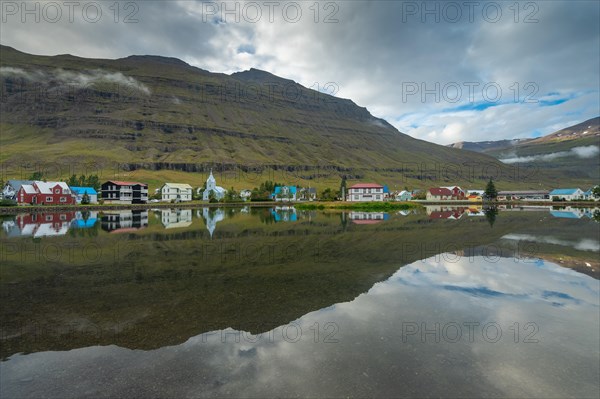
475 211
570 212
124 221
368 217
445 212
84 220
284 214
212 217
39 224
176 218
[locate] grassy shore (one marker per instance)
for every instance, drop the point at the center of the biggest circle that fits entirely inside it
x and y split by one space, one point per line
359 206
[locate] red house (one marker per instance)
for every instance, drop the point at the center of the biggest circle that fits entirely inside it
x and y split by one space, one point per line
46 193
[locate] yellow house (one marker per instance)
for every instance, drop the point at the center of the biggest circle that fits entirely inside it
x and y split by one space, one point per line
475 198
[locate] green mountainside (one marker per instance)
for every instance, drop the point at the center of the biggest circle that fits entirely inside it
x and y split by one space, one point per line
571 154
159 119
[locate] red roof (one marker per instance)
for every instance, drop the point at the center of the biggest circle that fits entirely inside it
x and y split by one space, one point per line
440 191
126 183
366 221
367 185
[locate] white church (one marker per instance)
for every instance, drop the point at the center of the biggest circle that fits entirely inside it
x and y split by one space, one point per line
211 186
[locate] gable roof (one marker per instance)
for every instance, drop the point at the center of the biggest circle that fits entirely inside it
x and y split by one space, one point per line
84 190
46 187
367 185
292 189
440 191
180 186
125 183
28 188
564 191
16 184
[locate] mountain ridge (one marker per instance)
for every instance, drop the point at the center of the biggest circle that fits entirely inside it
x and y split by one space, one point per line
150 113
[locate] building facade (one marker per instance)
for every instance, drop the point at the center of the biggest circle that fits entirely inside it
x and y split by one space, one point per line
176 192
285 193
365 192
211 187
439 194
124 192
45 193
12 187
567 194
80 192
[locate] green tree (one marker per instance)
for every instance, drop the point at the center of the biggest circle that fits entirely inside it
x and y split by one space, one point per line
329 195
490 215
343 189
212 198
596 192
85 199
93 181
36 176
231 195
72 181
490 191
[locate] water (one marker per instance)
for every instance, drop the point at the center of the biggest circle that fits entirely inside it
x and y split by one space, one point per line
256 302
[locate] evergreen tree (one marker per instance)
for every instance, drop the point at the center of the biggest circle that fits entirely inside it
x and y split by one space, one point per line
343 189
490 191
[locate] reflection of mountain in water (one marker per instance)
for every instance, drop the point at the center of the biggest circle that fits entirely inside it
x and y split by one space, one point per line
176 218
253 277
211 217
124 221
497 320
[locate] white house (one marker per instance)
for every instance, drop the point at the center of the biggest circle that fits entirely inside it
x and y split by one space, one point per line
211 186
404 196
589 195
12 187
567 194
176 218
80 192
176 192
365 192
245 194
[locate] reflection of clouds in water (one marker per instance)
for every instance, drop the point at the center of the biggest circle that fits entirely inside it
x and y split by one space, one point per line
585 244
370 358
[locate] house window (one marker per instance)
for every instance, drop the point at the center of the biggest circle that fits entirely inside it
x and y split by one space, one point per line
377 197
356 197
48 199
48 218
57 191
63 217
63 199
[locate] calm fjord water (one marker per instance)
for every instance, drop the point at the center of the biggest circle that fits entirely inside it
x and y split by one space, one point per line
254 302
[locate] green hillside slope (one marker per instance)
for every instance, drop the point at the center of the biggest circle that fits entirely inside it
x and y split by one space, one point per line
157 118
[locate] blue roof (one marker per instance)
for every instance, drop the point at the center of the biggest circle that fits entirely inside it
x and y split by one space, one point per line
84 190
284 216
84 224
564 214
292 190
563 191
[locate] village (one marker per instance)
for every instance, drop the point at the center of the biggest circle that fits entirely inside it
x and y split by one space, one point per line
116 192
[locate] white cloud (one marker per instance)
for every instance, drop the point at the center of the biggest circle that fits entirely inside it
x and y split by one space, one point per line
374 53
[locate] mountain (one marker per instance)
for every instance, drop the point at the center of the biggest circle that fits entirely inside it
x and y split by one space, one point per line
571 154
486 146
159 119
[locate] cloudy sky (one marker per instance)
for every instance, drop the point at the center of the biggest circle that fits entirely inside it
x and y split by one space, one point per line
439 71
